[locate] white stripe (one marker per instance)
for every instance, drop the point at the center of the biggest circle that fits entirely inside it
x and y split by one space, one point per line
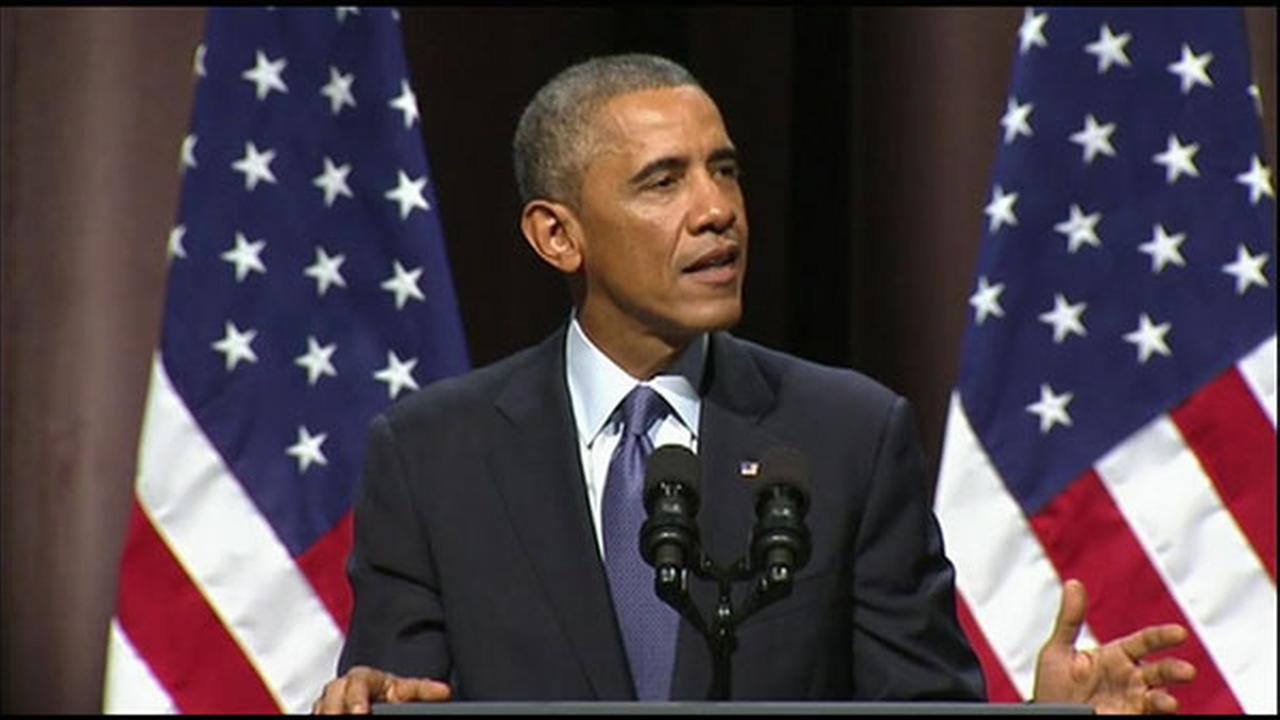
1259 371
129 687
231 551
1001 569
1201 555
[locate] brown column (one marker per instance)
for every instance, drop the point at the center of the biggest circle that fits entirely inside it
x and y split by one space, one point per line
96 102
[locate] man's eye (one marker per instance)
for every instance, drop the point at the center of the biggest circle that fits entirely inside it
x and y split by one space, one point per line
663 182
733 172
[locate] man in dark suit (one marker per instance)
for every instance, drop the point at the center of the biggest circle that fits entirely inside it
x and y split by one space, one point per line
495 529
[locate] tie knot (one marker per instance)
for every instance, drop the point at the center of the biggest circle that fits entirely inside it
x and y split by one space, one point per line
640 409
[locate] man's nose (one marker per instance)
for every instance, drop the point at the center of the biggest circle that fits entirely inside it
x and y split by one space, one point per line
714 205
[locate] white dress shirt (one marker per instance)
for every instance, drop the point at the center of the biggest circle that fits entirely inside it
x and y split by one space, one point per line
596 387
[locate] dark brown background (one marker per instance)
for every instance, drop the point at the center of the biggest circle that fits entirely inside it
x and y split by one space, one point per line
868 137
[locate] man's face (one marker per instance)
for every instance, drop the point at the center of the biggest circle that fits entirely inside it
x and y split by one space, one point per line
663 225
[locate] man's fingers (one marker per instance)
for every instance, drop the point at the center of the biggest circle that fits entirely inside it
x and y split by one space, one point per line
1168 671
417 690
1070 615
330 702
1152 639
356 697
364 686
1160 702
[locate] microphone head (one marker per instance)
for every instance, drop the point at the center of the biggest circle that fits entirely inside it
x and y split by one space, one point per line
672 464
783 465
780 541
669 537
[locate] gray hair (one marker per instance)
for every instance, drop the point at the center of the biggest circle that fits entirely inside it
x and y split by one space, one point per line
553 138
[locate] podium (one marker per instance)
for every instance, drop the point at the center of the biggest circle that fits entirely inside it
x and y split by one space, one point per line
728 708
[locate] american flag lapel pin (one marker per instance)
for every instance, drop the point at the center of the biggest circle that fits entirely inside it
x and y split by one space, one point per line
748 469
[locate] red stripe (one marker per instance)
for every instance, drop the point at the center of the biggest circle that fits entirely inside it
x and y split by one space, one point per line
1236 444
325 565
1087 538
1000 688
176 632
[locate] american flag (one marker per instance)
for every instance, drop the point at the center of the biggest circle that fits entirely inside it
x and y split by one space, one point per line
1115 414
308 288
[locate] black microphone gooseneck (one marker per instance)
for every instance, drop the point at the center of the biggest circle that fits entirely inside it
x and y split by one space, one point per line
779 545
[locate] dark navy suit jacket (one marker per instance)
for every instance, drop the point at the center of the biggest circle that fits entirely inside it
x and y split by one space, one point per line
475 560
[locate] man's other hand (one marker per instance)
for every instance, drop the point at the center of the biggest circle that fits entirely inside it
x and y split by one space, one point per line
1112 678
362 686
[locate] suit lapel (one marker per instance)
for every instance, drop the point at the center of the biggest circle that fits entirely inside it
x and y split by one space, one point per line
735 398
538 471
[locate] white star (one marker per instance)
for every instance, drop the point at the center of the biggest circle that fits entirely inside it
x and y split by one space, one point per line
1015 120
245 256
407 103
1109 49
1256 94
1065 318
1247 269
235 345
1177 159
1051 408
1032 31
266 75
404 285
1080 229
986 300
395 14
1000 209
338 90
317 360
325 271
333 181
187 155
397 375
1164 248
1258 178
175 242
1192 68
256 166
1094 138
408 193
1149 338
307 449
347 10
197 62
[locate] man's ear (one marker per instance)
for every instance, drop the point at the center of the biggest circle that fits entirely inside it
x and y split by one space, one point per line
553 232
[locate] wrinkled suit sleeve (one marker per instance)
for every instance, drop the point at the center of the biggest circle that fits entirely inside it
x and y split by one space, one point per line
398 621
907 642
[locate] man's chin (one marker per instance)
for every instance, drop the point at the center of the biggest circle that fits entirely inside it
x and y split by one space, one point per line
721 317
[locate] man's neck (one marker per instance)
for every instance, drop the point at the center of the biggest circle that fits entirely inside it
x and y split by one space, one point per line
640 355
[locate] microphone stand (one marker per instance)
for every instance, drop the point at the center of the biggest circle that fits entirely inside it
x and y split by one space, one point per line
721 637
779 546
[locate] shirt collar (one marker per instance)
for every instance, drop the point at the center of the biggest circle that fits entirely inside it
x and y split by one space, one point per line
597 384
